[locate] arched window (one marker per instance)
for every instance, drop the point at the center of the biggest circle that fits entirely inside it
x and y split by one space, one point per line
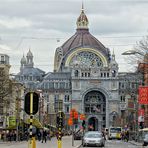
113 73
76 73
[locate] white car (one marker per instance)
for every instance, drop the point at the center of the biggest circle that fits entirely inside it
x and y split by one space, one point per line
93 138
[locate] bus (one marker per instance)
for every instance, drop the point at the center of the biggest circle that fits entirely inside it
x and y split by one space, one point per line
114 133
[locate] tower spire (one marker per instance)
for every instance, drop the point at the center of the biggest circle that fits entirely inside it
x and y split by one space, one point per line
113 55
82 6
82 21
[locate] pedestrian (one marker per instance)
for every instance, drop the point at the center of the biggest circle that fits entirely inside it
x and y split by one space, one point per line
44 136
127 135
103 134
49 135
39 135
122 135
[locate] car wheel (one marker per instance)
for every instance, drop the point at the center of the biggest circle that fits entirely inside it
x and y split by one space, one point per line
144 144
102 145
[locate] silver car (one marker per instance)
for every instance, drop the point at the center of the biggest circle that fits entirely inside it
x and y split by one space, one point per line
93 138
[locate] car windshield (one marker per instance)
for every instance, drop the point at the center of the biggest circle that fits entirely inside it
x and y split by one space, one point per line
93 136
115 130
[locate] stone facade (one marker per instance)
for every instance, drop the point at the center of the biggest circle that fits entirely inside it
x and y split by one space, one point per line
93 76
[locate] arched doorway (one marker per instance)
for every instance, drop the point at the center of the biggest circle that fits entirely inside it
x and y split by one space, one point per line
95 109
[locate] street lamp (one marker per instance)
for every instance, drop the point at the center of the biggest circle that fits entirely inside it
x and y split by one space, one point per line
132 52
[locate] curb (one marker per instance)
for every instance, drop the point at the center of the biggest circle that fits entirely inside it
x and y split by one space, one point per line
133 143
79 146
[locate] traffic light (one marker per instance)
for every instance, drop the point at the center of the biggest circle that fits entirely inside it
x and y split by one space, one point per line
83 124
60 120
35 104
59 134
75 121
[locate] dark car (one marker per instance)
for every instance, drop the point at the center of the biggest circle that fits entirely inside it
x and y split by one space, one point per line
78 135
145 140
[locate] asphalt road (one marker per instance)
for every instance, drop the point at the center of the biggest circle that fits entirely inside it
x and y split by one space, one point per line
67 143
118 144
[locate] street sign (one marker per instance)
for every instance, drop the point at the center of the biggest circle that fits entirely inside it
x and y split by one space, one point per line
31 108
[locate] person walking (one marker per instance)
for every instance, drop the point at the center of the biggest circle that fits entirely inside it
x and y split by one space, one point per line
44 136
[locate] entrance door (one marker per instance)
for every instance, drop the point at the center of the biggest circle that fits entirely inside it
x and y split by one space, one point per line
93 124
95 105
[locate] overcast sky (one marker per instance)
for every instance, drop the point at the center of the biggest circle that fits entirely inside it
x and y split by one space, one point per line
44 25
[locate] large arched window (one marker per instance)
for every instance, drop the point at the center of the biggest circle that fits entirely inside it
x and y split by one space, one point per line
94 102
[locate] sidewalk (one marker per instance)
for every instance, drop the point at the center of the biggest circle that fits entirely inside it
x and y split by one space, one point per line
135 143
66 143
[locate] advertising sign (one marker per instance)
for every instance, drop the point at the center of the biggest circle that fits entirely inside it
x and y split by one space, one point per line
131 104
12 121
143 95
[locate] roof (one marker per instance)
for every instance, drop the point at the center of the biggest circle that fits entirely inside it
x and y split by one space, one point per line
57 75
82 38
31 71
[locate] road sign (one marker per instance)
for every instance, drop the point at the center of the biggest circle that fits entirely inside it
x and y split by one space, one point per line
31 103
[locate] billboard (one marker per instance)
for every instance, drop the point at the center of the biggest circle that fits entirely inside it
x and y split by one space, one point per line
12 121
143 95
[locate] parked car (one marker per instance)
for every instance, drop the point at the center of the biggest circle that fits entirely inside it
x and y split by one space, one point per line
145 140
78 135
93 138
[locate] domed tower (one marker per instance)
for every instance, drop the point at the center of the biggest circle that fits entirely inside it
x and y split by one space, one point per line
81 46
89 63
23 62
29 59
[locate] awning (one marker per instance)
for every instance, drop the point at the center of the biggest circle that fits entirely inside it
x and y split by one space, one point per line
35 123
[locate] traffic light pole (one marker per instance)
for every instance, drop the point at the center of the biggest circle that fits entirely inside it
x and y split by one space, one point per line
73 135
59 138
31 108
31 139
60 119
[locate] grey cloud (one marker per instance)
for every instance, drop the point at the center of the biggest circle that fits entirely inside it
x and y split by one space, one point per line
57 18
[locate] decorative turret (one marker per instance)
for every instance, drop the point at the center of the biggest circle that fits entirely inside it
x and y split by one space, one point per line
29 54
82 21
23 62
29 59
114 65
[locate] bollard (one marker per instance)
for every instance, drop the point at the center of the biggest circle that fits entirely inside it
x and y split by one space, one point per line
59 144
33 142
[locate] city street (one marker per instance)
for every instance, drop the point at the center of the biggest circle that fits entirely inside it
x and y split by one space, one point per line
67 143
118 144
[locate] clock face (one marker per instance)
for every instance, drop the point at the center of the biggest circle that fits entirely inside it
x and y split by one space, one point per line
94 72
87 59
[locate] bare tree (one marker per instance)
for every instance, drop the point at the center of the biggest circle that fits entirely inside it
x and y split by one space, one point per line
5 88
137 56
142 47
